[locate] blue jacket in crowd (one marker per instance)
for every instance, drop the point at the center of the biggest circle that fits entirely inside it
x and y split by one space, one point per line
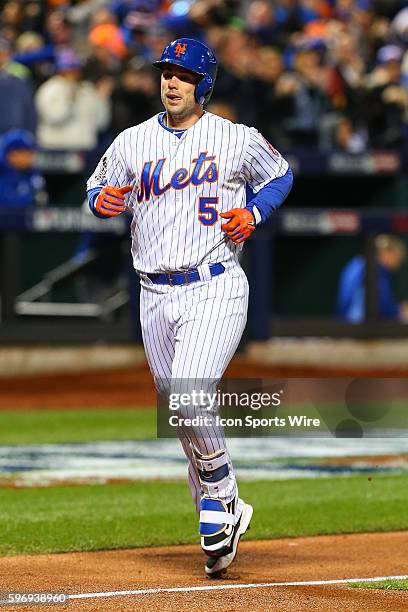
351 293
17 109
18 188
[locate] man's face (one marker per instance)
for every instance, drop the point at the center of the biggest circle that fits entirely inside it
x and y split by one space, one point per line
71 74
392 258
396 259
177 91
21 159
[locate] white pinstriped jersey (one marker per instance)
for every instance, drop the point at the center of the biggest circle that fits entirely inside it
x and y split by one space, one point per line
180 185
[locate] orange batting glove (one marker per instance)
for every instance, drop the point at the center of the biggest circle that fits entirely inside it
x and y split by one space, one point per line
111 200
240 226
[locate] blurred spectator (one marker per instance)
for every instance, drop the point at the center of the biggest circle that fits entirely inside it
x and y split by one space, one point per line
148 44
178 21
80 15
213 12
32 52
104 32
271 108
58 30
387 99
399 27
21 184
311 11
223 109
72 111
391 253
288 18
346 75
304 90
142 12
134 99
18 17
11 18
307 73
33 16
347 139
236 53
261 22
101 63
107 48
17 108
39 52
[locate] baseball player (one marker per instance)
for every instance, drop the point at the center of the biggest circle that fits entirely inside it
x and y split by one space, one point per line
183 175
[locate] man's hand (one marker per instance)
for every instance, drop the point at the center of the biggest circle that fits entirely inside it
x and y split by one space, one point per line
240 226
111 200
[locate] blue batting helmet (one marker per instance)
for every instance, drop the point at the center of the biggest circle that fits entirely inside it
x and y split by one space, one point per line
196 57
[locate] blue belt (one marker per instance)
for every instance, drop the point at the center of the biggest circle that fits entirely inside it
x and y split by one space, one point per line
183 278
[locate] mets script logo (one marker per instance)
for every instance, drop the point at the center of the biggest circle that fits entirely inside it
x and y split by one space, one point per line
180 49
151 179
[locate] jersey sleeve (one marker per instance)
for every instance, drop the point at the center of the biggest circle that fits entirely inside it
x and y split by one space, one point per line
111 169
262 162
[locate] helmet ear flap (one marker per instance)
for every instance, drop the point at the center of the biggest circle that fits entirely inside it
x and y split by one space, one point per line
204 89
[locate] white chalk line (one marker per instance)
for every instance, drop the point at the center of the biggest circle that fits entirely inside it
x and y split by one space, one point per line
224 587
221 587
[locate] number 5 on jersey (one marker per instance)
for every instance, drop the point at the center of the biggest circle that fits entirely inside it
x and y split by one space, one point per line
207 215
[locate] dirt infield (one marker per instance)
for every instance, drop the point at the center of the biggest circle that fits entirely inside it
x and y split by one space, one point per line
134 386
288 560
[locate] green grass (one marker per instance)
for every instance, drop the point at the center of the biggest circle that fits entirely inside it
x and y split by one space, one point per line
88 425
47 426
95 517
395 585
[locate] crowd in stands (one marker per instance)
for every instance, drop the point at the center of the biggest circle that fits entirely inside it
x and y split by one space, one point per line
327 74
312 74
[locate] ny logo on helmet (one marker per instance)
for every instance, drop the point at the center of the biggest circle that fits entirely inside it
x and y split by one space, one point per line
180 49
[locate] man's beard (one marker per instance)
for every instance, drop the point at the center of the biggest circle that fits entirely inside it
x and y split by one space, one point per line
181 113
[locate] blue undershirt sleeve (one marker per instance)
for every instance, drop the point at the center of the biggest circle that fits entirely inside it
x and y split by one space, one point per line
92 195
269 198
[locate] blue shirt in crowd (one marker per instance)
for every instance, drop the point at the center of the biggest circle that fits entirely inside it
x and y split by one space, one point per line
18 188
17 109
351 293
